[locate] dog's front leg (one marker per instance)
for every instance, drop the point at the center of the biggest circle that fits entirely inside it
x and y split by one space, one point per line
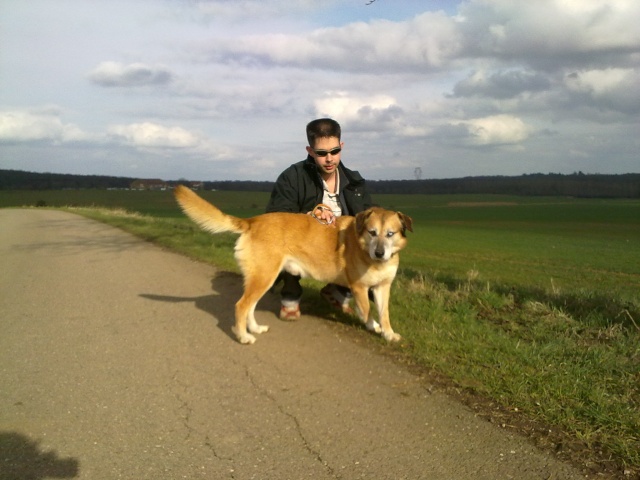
361 296
381 294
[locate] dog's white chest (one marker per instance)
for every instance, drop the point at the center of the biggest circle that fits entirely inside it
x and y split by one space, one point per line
382 274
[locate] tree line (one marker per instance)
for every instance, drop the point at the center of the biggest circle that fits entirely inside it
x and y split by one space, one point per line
552 184
20 180
539 184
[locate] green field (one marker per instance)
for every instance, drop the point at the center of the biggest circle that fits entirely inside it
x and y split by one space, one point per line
530 303
551 244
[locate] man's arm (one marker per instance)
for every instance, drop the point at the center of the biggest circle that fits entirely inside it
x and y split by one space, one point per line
284 196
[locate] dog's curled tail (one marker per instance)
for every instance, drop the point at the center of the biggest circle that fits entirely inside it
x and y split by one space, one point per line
209 217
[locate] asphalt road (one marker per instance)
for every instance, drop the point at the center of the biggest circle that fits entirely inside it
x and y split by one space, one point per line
117 361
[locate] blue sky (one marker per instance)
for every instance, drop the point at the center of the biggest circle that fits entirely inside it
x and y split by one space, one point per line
222 89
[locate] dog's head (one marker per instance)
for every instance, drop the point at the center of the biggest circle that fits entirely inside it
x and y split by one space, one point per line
382 233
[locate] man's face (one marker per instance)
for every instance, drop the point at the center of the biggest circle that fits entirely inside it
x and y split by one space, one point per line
321 153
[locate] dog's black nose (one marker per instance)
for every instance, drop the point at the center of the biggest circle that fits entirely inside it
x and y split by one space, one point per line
379 253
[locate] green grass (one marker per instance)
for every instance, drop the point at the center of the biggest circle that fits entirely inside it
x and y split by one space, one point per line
529 302
556 244
577 372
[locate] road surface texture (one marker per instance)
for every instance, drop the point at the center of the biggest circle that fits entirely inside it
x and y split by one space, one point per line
117 361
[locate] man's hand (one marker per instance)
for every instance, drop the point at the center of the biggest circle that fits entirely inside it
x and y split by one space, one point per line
323 214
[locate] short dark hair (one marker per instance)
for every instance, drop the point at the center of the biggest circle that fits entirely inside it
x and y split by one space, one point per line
322 128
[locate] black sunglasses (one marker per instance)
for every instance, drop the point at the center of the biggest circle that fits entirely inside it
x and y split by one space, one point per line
324 153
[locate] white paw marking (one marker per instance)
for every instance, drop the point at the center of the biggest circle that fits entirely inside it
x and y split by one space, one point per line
244 338
259 328
373 326
391 336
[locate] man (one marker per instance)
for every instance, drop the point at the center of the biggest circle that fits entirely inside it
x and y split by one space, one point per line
320 179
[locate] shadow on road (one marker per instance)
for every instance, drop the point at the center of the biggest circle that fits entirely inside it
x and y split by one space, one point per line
227 289
21 458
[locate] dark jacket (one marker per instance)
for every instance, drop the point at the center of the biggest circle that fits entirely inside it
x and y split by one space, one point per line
299 188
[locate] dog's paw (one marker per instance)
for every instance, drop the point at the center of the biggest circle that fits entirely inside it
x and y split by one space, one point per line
247 339
259 328
391 336
373 326
244 338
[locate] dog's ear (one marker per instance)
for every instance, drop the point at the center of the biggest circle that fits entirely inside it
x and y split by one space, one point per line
361 218
407 222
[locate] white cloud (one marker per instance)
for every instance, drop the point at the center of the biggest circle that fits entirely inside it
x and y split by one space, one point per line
496 130
115 74
152 135
347 107
603 82
39 125
409 86
611 88
501 84
423 43
545 31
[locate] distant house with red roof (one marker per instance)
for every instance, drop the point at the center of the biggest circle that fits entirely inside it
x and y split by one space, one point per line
149 184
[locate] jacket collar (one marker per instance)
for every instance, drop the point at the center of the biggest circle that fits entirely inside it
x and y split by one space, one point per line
310 164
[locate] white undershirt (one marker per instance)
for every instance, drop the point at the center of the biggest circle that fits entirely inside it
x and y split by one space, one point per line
331 199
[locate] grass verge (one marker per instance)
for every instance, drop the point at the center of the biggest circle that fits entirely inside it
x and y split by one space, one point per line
544 359
564 367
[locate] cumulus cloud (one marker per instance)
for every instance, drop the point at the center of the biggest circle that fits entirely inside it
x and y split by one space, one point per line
480 74
546 33
348 107
152 135
602 82
611 88
424 43
115 74
18 126
495 130
501 84
549 31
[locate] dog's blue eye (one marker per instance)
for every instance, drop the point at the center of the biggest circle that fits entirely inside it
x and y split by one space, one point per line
390 234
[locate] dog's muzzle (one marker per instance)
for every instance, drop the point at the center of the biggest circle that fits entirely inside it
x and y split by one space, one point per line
378 251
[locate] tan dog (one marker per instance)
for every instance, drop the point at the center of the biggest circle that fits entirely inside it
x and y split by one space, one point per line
359 252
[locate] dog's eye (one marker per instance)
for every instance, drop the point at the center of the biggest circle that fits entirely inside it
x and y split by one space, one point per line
390 234
373 233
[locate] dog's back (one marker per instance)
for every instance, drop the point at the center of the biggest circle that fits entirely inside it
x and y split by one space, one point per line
296 243
283 241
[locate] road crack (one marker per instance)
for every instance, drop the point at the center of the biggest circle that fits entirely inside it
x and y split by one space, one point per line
298 427
184 411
